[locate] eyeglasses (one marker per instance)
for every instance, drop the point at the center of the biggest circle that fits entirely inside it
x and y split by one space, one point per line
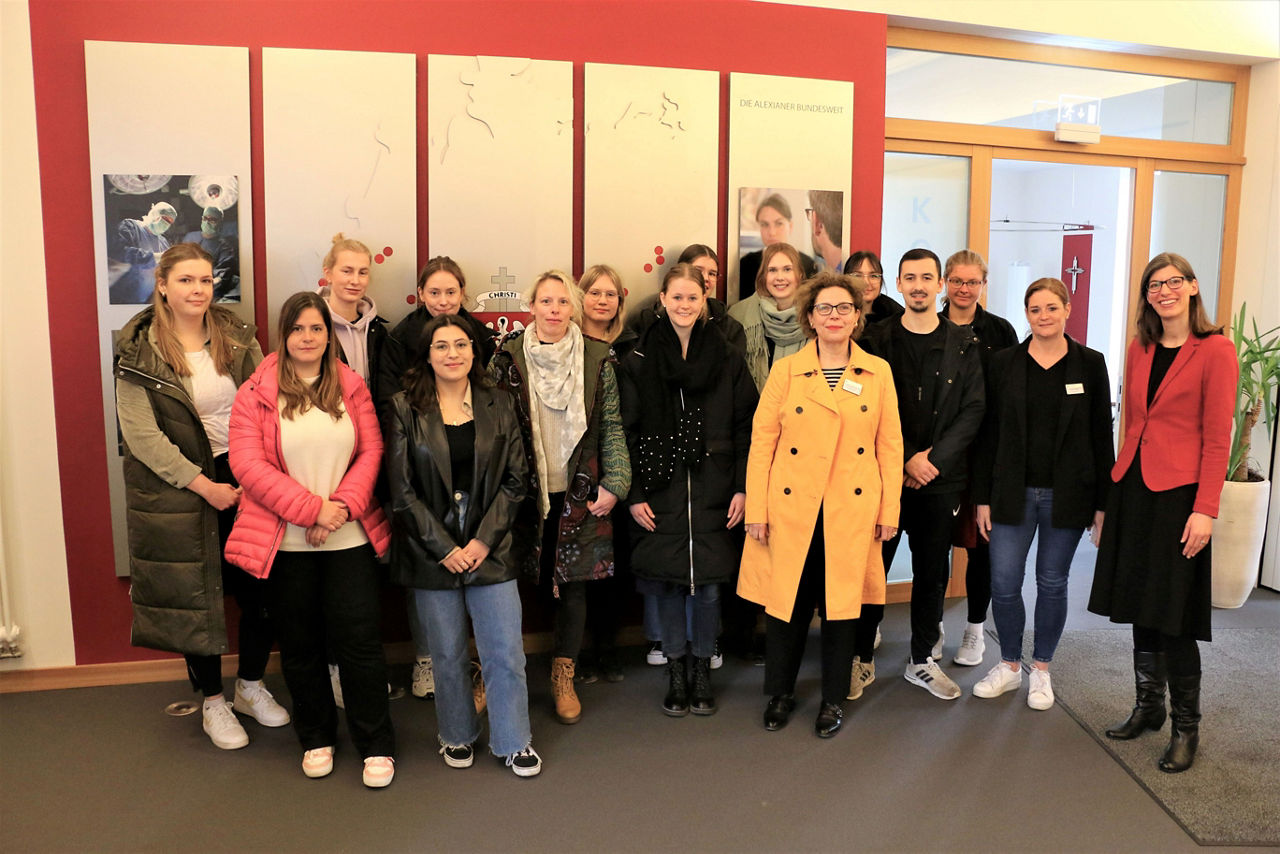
966 283
1175 283
823 309
595 294
440 348
868 277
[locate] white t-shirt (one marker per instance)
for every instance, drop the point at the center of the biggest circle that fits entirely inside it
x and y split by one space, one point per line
317 452
212 393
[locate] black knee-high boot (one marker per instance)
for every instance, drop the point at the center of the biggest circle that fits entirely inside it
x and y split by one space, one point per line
1184 703
1149 676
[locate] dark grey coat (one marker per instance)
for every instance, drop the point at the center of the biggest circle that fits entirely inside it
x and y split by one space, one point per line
175 557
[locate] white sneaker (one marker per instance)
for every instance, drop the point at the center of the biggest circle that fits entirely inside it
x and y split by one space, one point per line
936 652
930 677
876 645
717 657
336 684
655 655
253 699
378 771
1040 695
862 676
972 646
222 727
424 678
999 680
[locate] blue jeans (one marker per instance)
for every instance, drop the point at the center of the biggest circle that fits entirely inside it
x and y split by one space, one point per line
653 623
673 607
1009 547
495 617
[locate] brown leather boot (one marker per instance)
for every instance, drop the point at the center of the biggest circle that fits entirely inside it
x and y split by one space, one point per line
568 709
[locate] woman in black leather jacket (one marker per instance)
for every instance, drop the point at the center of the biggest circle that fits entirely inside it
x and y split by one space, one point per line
457 472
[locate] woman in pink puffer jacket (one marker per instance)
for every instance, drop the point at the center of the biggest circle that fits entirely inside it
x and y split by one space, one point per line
306 448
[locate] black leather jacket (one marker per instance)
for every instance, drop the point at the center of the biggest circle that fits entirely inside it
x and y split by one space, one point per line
428 518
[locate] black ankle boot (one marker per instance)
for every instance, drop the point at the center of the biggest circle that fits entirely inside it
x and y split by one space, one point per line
1148 709
1184 701
701 702
676 703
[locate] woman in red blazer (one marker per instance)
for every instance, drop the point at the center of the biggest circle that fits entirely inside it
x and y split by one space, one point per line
1153 566
306 448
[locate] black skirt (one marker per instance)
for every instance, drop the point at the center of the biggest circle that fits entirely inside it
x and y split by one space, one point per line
1141 576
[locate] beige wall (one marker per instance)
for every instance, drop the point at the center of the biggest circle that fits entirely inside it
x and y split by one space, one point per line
32 551
1235 30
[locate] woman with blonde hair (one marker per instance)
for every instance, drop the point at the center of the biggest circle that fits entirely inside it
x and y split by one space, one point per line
567 403
769 317
178 364
687 402
604 307
306 446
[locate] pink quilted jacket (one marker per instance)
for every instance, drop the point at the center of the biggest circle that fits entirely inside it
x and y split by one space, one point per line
271 497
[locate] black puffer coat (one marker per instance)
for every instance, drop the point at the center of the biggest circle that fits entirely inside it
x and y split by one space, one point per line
425 512
691 543
175 558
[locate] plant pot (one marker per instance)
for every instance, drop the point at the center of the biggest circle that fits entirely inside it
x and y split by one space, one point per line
1237 541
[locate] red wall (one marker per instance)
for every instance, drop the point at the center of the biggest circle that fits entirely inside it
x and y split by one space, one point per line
728 35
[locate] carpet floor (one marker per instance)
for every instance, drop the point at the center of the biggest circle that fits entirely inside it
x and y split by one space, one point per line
1231 796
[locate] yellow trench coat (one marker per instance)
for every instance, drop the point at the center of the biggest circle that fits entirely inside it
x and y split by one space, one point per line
839 449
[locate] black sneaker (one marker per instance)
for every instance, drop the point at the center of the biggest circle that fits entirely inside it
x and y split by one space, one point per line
458 757
611 667
526 763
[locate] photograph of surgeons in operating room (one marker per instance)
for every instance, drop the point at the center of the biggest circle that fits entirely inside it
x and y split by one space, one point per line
146 214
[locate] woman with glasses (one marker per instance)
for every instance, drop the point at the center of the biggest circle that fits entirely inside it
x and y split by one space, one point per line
1154 564
824 480
687 402
964 277
769 316
1048 423
604 301
442 290
458 474
567 406
866 270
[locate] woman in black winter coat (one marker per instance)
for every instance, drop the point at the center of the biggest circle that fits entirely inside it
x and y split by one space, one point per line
687 404
457 471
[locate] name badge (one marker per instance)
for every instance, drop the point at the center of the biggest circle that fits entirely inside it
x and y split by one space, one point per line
852 387
1075 388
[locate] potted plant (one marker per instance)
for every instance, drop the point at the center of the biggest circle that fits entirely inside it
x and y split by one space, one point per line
1242 515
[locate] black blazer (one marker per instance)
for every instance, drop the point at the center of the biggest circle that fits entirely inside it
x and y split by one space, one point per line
1083 450
424 512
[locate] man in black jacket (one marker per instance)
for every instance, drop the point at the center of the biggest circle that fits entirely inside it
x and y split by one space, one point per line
965 277
938 377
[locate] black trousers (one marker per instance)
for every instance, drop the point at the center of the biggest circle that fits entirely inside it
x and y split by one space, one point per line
977 580
785 640
330 598
255 636
926 519
571 608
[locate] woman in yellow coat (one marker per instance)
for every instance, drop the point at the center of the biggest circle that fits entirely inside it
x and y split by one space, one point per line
824 479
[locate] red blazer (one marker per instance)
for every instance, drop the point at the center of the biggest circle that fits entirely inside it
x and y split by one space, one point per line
270 496
1186 434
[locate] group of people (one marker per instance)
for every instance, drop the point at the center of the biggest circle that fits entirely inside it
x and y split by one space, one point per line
768 456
